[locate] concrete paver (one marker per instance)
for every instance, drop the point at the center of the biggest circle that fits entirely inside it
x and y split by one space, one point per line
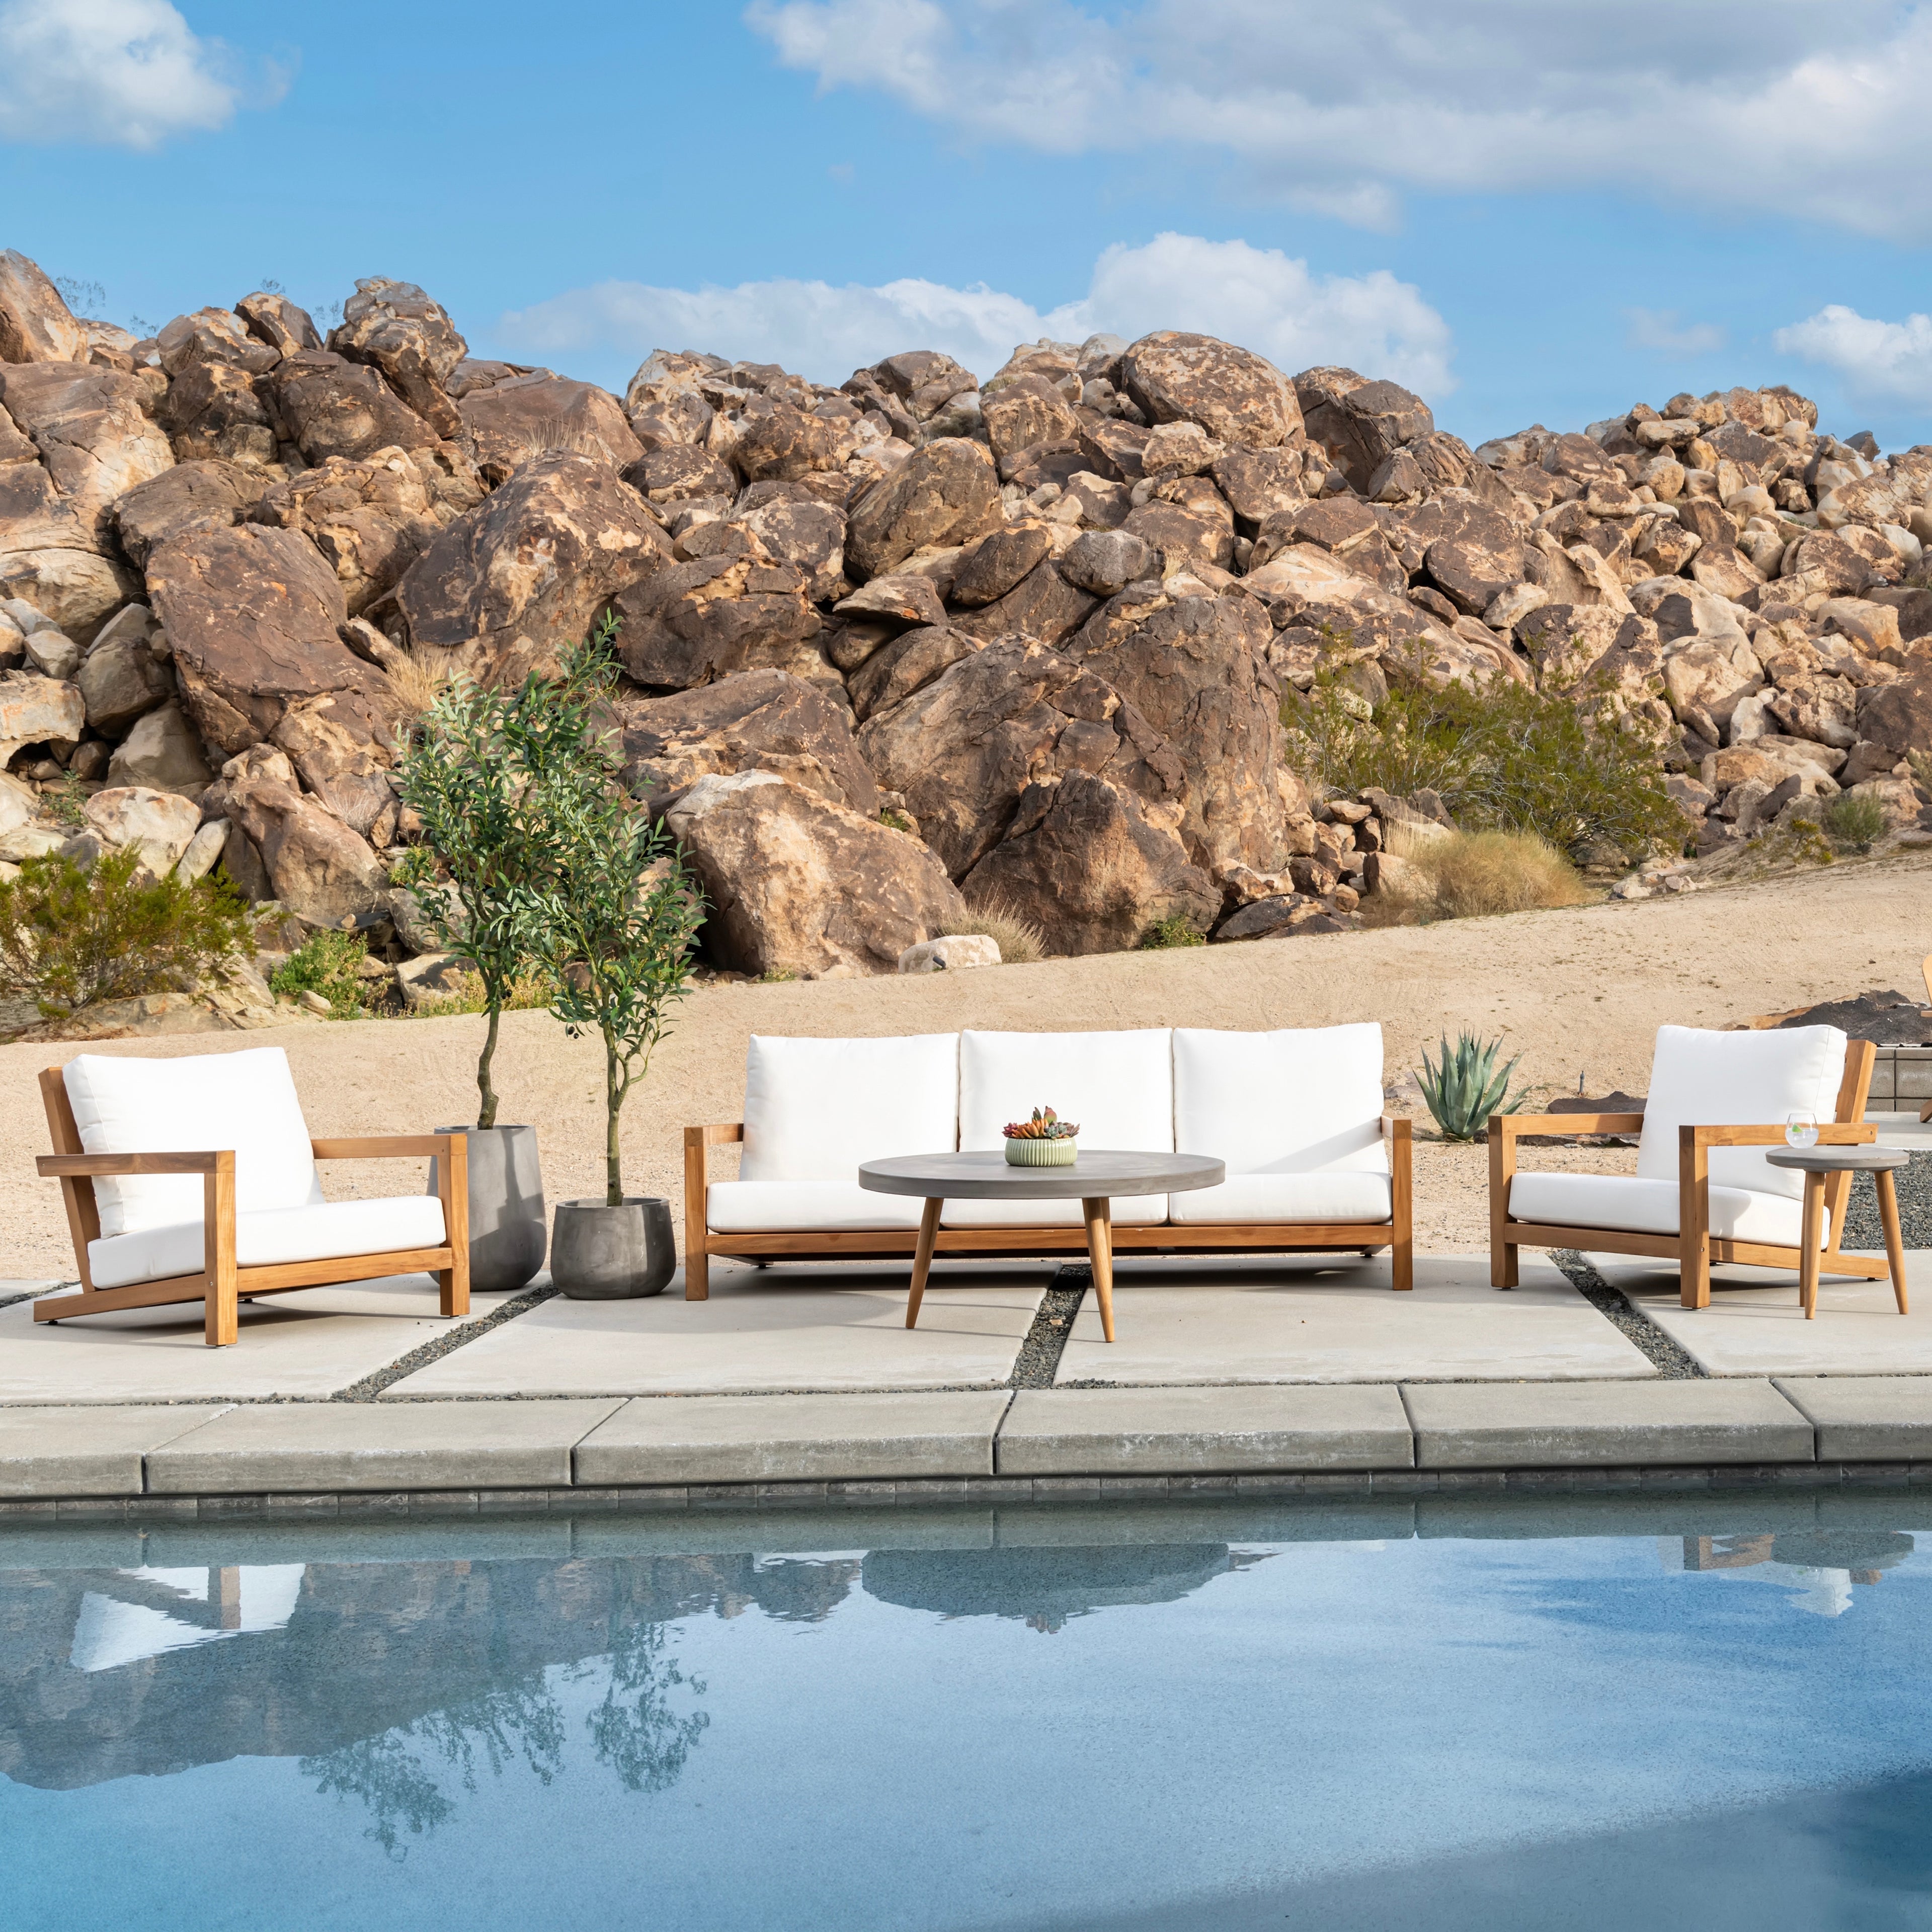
1555 1425
765 1330
313 1343
1866 1418
794 1438
1316 1318
1754 1326
291 1448
1203 1431
87 1450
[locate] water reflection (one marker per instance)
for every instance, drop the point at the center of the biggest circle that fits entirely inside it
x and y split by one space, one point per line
1819 1567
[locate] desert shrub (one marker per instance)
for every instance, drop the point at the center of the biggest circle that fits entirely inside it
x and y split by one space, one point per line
1020 942
67 802
325 963
70 937
1852 820
532 990
1177 929
1468 1087
1568 766
1472 874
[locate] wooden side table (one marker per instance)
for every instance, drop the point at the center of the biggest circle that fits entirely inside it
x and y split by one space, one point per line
1815 1163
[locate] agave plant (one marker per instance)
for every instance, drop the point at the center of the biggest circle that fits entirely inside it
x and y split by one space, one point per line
1469 1086
1046 1125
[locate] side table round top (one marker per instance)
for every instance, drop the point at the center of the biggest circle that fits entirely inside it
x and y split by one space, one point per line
1838 1159
1094 1175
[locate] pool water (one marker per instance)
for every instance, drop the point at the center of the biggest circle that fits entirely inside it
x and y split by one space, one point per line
1692 1709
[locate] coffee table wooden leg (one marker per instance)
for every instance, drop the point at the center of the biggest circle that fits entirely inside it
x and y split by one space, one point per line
1895 1236
1808 1231
921 1259
1098 1217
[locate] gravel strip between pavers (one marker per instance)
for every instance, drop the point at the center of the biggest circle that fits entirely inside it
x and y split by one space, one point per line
1673 1364
371 1386
1039 1359
1913 1187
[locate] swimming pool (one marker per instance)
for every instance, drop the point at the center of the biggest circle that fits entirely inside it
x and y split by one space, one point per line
1695 1709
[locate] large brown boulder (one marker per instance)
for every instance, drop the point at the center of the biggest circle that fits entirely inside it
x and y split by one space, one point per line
120 678
252 615
678 471
989 568
91 430
530 568
1472 553
35 324
1043 605
213 492
1185 538
1258 483
1363 424
340 744
795 883
946 493
777 443
800 530
285 326
38 711
1898 716
1235 395
327 406
527 415
1025 412
320 870
693 622
908 664
763 720
217 409
396 329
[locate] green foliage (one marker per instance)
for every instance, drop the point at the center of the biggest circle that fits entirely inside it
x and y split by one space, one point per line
1569 766
326 963
1855 821
1177 929
71 938
616 913
529 993
1467 1087
898 820
67 801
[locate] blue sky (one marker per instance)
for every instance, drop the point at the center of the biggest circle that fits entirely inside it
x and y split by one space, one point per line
1527 212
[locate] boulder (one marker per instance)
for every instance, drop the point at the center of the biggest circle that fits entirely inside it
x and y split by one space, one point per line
900 598
212 335
93 434
162 753
204 850
1827 561
285 326
394 327
1363 424
1896 716
680 472
945 493
1705 683
317 868
1025 412
431 977
219 410
954 952
184 497
1185 539
339 743
777 443
1822 708
161 825
1044 605
1104 563
908 664
1472 552
37 711
528 416
691 623
531 568
328 407
35 324
1259 483
760 721
121 678
990 567
76 589
795 883
800 530
1236 396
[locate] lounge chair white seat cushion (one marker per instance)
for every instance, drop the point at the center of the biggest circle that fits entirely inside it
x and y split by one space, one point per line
1641 1207
1333 1195
1118 1087
323 1232
203 1103
772 1207
815 1108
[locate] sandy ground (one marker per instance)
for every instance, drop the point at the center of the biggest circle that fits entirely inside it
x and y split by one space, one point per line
1577 993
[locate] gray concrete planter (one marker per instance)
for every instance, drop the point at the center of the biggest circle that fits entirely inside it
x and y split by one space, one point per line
599 1253
506 1207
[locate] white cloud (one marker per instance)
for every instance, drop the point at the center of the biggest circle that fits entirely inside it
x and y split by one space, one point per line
1771 106
1880 361
1258 297
113 73
1657 328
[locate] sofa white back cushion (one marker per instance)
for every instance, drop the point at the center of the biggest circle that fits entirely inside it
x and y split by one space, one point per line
1752 1078
1302 1100
1116 1087
815 1108
206 1103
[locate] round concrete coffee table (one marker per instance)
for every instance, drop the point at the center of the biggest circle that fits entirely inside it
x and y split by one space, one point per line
1815 1164
1093 1179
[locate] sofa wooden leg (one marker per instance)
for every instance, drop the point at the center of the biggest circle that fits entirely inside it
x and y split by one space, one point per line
1401 1263
1505 1259
222 1322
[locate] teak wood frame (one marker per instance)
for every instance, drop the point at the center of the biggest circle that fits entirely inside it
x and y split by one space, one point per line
1397 1234
221 1284
1693 1246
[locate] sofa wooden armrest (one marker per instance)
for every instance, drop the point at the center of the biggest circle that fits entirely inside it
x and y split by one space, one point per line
74 1166
698 1142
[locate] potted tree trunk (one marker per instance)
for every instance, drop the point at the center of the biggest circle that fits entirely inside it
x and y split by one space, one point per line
617 920
471 769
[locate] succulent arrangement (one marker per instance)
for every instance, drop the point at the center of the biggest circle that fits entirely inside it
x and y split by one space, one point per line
1046 1125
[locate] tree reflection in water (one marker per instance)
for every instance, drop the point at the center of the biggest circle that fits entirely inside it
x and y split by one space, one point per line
634 1730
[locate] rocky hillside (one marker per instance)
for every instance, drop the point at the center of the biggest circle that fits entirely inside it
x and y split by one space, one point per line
917 641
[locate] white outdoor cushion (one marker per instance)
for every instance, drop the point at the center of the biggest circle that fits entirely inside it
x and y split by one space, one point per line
1749 1078
1117 1086
320 1233
1335 1194
1298 1101
815 1108
762 1207
201 1103
1640 1206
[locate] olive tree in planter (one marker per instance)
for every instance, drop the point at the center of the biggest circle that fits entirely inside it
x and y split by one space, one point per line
617 919
472 770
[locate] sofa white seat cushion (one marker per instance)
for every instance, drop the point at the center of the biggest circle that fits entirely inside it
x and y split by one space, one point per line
326 1231
206 1103
1641 1207
1118 1087
1332 1195
772 1207
814 1109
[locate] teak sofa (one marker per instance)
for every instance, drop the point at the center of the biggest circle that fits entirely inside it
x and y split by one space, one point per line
194 1180
1313 1161
1703 1191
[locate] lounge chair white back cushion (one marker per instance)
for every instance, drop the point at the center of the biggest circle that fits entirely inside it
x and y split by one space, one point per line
1303 1100
815 1108
1118 1087
203 1103
1701 1078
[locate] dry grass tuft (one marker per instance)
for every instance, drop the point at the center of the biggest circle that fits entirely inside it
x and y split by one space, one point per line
1475 875
1020 941
418 679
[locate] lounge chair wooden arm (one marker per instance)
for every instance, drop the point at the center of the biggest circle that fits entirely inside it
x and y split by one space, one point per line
698 1142
384 1147
1510 1126
78 1166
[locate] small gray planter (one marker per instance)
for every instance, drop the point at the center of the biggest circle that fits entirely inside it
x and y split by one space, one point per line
600 1253
506 1207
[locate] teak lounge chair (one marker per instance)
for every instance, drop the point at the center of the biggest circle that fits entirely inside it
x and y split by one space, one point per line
1313 1162
1703 1191
194 1180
